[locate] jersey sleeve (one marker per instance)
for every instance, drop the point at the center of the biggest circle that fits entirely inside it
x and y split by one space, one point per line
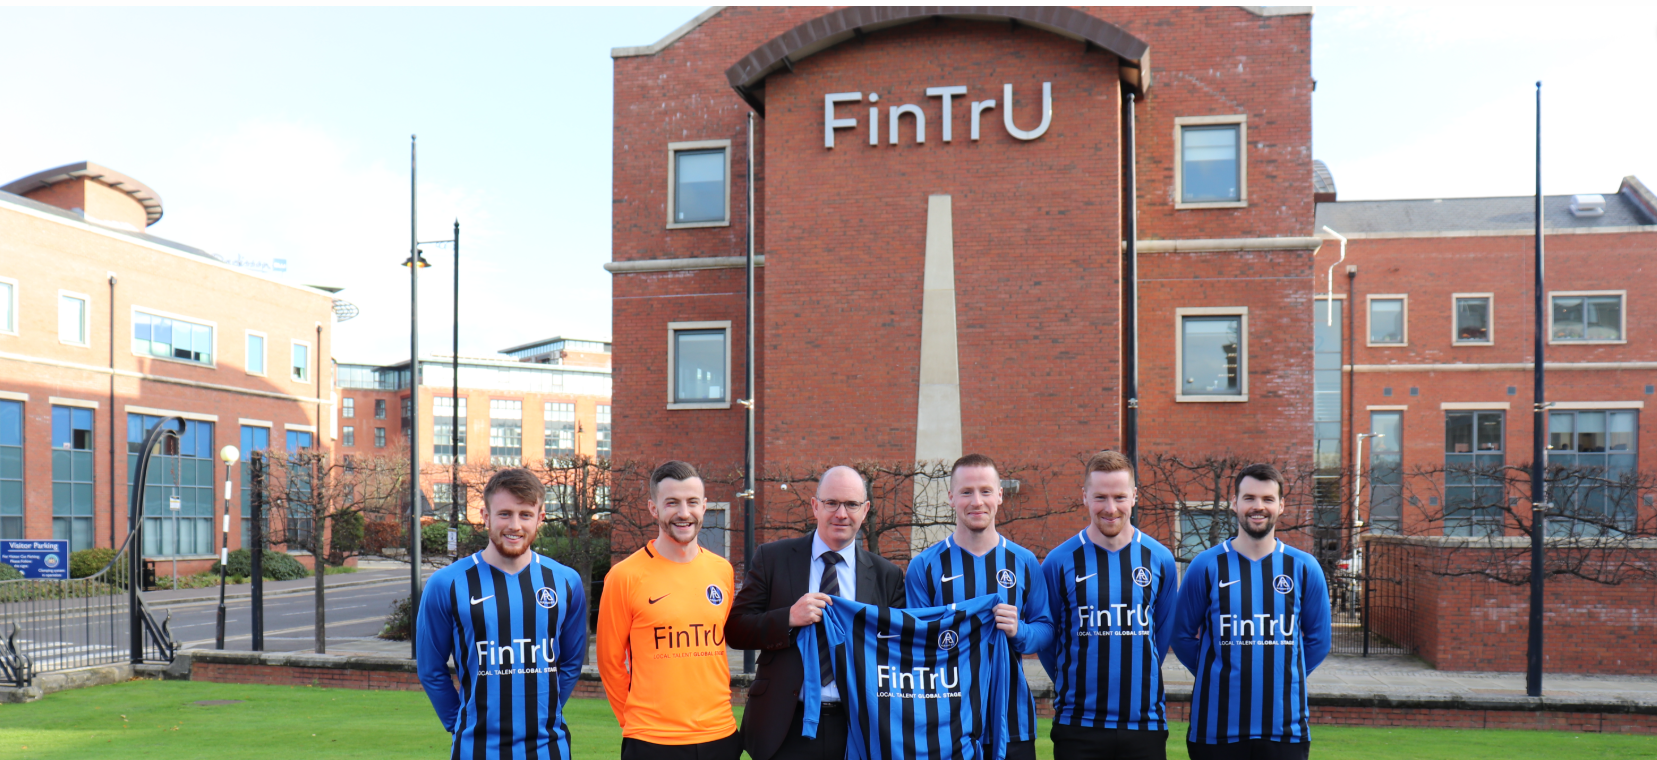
1001 693
572 638
1314 616
1191 612
1035 626
810 699
1051 572
1166 606
434 631
917 582
615 629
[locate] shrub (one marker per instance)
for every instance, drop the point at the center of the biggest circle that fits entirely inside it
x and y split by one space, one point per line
89 561
399 625
434 539
9 573
277 566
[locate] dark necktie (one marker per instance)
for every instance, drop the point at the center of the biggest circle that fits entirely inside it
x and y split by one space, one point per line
830 584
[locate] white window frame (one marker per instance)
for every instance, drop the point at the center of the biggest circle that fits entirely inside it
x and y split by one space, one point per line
673 150
722 506
1490 314
1180 123
14 315
310 361
86 318
1621 329
1242 358
214 326
1369 301
349 436
673 328
264 359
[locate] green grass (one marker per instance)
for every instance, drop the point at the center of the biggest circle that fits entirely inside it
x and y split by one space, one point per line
159 719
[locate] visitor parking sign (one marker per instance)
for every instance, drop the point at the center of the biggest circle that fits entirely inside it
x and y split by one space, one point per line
37 559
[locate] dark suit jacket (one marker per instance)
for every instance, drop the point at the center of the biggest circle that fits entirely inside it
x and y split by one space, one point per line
778 575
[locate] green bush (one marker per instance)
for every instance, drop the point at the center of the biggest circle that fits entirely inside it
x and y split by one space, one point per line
89 561
9 573
277 566
399 625
434 539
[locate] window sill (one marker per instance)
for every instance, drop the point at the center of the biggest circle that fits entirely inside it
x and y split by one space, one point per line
251 373
698 225
185 362
1387 345
1474 343
73 343
1553 342
1183 399
700 405
1215 204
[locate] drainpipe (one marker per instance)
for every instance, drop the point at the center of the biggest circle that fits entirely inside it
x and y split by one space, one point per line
1130 311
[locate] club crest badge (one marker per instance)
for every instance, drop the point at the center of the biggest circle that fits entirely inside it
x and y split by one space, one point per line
547 598
1006 578
716 597
947 640
1283 584
1142 577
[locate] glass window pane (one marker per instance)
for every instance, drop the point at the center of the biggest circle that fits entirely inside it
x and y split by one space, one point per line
1561 432
1473 319
1209 163
1567 318
1211 348
1386 320
1458 433
699 192
1603 318
1490 431
256 354
1621 434
699 362
7 322
1590 432
71 319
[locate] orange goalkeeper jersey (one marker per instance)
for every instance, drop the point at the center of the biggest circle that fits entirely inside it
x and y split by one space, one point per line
661 647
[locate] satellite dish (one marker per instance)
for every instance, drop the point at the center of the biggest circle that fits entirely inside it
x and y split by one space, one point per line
344 310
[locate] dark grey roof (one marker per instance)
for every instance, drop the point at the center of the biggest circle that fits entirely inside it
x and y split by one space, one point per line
1322 180
144 236
1468 214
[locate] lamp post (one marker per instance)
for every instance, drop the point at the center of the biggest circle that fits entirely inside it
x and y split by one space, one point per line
414 263
454 389
1357 489
230 455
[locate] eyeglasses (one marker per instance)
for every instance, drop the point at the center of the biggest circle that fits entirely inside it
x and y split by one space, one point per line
836 506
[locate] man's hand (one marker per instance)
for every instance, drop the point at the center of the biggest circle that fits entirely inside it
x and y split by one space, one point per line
808 610
1006 618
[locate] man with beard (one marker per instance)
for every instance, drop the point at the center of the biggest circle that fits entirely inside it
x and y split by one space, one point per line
977 561
787 585
515 623
1113 590
1253 624
661 640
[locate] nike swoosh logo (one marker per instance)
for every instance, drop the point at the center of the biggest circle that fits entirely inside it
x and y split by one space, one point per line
953 577
1228 583
887 635
1083 578
663 596
485 599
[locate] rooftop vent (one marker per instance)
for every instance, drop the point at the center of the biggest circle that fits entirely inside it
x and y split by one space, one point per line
1588 205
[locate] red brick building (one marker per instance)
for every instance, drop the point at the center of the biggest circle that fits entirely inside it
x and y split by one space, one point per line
105 329
939 202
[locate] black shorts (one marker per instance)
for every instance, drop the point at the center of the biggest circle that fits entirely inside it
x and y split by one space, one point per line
1084 743
1249 749
728 748
1024 750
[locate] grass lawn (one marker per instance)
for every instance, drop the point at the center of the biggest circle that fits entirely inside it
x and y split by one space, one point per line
160 719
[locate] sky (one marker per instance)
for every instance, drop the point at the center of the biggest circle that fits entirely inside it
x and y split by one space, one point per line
284 133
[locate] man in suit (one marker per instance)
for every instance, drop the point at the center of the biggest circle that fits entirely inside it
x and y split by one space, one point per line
788 584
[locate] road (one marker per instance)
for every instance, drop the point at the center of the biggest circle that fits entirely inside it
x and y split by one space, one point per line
353 613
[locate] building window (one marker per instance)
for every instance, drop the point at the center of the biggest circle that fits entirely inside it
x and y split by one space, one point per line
379 438
350 437
187 475
1587 318
379 408
1593 494
348 407
255 353
8 306
1386 471
408 413
72 506
254 438
1473 476
604 430
1212 354
715 535
443 499
700 365
1201 526
447 446
1473 318
1212 162
698 182
506 431
72 318
11 469
301 361
172 338
301 519
1388 320
559 429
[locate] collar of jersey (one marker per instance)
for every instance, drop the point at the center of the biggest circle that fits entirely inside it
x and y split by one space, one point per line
949 543
535 561
1086 539
1278 549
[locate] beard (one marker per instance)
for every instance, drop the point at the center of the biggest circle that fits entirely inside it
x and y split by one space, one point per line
1271 524
506 551
666 527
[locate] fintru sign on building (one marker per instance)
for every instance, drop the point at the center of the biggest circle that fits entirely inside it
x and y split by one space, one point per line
946 111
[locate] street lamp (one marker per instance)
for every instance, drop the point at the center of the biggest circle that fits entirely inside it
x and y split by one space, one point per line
454 398
230 455
1357 493
415 263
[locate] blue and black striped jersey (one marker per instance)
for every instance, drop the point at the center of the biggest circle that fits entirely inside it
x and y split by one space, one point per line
919 684
517 642
947 574
1114 617
1251 631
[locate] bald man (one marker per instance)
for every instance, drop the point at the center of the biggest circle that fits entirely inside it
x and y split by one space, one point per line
787 585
